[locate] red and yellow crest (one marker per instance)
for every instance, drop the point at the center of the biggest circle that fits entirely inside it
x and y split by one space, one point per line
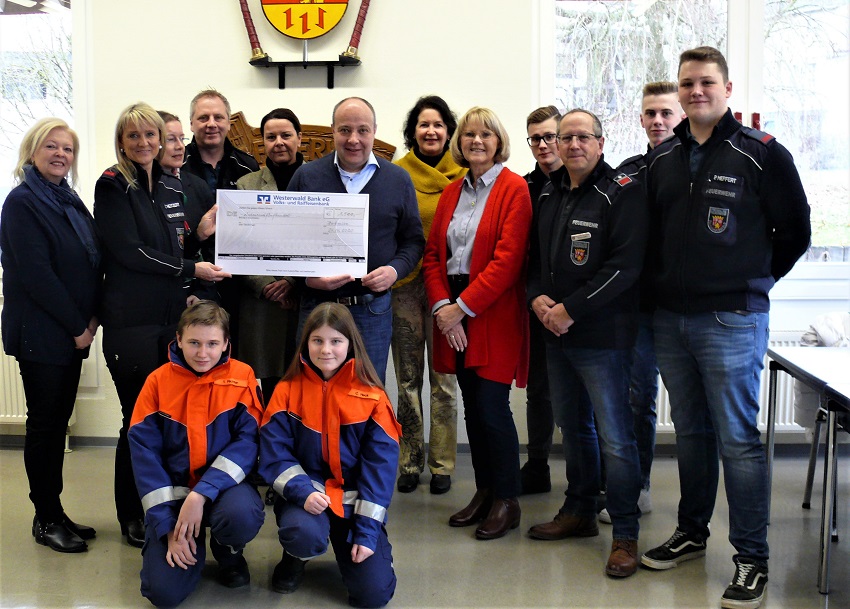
304 18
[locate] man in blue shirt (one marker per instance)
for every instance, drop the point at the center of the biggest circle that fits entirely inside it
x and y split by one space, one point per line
396 241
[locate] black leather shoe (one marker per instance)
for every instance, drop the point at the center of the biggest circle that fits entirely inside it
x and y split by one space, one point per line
407 483
134 531
535 477
440 483
80 530
56 536
235 575
288 574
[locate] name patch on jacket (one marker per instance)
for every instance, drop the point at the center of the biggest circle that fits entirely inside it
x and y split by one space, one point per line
364 394
726 187
233 382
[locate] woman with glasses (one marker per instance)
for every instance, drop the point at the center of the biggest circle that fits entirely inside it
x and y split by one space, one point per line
148 250
268 307
51 277
429 126
474 274
199 202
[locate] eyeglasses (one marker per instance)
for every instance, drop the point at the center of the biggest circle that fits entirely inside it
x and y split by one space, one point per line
171 139
583 138
535 140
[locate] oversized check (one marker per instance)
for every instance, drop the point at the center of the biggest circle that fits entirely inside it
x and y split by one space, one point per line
300 234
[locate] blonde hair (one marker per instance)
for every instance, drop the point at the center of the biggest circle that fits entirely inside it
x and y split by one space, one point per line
338 317
136 115
35 138
488 118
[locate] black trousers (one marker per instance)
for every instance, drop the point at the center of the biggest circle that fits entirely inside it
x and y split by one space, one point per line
50 391
131 355
490 427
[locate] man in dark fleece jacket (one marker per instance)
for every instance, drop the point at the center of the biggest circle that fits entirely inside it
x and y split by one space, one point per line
731 219
587 247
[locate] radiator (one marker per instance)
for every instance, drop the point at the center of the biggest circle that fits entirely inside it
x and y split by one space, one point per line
13 406
784 392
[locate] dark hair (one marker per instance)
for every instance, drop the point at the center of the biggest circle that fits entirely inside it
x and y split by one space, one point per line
205 313
706 55
661 87
282 114
428 102
167 117
543 114
597 124
339 318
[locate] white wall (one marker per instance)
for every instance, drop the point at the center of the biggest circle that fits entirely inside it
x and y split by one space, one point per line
474 52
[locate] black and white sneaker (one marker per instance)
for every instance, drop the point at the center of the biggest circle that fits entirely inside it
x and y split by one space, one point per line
748 586
679 548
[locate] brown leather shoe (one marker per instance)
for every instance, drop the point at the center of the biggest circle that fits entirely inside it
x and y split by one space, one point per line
475 511
503 516
563 526
623 561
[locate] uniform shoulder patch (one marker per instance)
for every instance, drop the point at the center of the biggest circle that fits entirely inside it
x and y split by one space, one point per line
761 136
623 179
109 173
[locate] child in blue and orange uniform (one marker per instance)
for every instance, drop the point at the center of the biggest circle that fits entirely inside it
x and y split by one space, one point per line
193 440
329 448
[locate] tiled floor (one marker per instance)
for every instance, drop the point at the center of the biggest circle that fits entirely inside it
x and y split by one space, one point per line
437 566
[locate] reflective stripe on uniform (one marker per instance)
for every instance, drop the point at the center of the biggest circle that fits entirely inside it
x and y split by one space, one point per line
286 476
370 510
230 468
164 495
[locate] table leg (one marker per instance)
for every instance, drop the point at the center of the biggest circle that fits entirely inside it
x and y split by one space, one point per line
771 436
828 502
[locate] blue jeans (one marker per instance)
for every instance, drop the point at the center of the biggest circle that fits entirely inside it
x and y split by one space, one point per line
375 322
710 363
588 383
643 391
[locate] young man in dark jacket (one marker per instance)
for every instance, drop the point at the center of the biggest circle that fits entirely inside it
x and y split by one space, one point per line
731 219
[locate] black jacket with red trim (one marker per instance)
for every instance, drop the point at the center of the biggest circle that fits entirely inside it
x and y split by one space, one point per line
724 238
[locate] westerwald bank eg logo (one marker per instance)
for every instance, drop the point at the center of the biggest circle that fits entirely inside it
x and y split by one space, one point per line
304 18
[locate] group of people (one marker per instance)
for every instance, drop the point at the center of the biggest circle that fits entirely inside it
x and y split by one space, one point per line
572 279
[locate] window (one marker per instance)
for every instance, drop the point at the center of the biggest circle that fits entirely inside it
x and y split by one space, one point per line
788 63
35 76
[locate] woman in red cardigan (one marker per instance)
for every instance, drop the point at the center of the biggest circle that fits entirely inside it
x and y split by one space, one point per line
474 275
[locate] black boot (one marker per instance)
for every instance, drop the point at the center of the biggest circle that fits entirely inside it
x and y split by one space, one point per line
81 530
288 574
56 536
535 478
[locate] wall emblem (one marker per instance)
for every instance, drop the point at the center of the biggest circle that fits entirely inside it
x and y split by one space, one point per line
304 19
